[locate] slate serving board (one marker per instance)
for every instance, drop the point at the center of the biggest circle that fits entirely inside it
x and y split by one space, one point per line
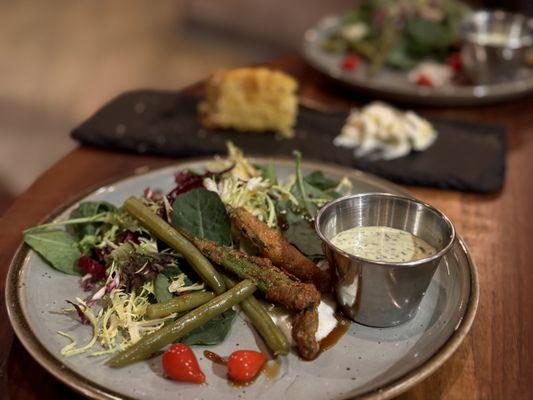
466 156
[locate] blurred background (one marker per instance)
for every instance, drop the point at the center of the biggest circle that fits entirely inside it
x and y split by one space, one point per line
62 59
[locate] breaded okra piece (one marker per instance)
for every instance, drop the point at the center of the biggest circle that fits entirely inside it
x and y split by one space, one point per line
304 328
276 285
271 244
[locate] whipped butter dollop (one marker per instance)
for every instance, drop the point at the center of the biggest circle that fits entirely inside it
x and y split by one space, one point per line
380 131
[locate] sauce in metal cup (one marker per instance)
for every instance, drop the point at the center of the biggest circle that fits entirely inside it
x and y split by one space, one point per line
382 293
494 45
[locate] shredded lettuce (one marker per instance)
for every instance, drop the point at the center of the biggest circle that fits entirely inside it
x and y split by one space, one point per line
117 325
71 349
258 192
254 194
242 168
178 285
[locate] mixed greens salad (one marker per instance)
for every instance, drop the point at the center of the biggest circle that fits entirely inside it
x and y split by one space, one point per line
399 34
128 275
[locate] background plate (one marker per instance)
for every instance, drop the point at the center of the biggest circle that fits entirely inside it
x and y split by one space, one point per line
394 85
366 362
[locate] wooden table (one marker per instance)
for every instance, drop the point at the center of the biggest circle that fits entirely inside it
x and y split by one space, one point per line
496 359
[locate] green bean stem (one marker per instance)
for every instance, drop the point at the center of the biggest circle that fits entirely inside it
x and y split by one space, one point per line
174 331
178 304
385 43
363 48
262 322
177 241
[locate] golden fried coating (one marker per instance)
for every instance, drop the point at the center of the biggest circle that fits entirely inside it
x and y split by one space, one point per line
304 327
271 244
276 285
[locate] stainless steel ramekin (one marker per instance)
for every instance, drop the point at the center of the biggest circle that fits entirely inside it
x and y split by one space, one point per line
486 60
377 293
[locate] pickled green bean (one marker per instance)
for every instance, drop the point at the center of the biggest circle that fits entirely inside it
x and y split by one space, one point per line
177 241
178 304
174 331
262 322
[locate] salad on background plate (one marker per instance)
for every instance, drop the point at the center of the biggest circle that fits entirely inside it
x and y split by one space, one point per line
421 37
406 50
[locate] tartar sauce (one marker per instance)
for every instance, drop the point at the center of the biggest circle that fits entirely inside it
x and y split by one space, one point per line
381 243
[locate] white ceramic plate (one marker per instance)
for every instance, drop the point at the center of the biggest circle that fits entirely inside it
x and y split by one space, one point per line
394 85
366 362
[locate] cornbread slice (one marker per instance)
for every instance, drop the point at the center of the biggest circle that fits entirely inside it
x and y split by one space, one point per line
250 99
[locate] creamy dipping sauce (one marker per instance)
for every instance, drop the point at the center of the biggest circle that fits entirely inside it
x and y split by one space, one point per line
497 39
381 243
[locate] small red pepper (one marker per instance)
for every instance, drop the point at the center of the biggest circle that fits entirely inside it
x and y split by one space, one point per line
423 80
180 364
455 61
244 365
350 62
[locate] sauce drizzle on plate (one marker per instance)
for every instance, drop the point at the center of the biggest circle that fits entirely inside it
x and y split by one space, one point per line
214 357
336 334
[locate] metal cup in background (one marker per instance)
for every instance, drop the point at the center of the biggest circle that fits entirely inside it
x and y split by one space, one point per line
377 293
494 44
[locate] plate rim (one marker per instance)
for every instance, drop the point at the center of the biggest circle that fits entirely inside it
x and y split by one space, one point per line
94 390
464 95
